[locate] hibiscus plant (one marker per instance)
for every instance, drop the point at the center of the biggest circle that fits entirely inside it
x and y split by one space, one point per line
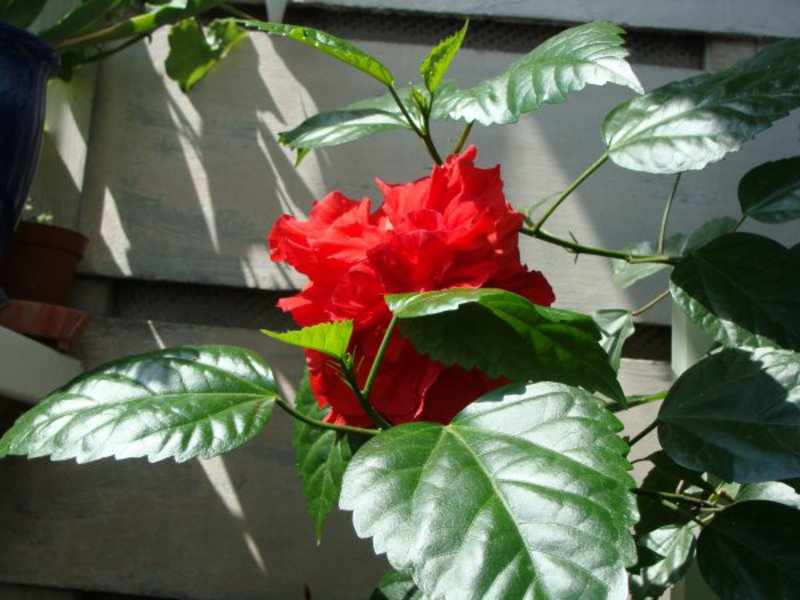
469 426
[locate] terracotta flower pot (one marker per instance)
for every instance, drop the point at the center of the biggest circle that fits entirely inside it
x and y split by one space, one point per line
40 262
56 326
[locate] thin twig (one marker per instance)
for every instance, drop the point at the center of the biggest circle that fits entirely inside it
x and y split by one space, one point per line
350 378
463 139
313 422
651 304
639 436
662 233
378 358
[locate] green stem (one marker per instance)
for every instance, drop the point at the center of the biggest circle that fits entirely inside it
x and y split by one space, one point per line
236 12
463 139
576 248
639 400
365 405
662 233
103 55
739 222
651 304
572 187
639 436
672 506
678 497
313 422
378 358
423 135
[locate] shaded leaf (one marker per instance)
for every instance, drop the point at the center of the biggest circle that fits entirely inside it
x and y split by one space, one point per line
770 193
327 44
193 53
505 335
329 338
322 456
774 491
736 414
674 546
591 54
437 62
396 586
688 124
750 551
21 13
85 17
742 289
524 494
616 326
180 402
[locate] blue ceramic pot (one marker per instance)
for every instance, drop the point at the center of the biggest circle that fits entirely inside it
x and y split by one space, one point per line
26 63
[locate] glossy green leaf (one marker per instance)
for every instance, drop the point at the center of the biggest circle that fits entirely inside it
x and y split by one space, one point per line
625 274
742 289
396 586
348 124
438 61
770 193
524 495
21 13
591 54
180 402
322 456
327 44
674 548
774 491
750 551
193 53
505 335
329 338
688 124
736 414
616 326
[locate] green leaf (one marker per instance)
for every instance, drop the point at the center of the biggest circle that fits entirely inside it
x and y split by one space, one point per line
348 124
180 402
21 13
750 551
322 456
742 289
505 335
774 491
524 495
688 124
437 62
327 44
329 338
192 53
396 586
625 274
85 17
736 414
674 547
591 54
770 193
616 326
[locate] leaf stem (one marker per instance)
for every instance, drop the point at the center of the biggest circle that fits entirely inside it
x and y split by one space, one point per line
662 233
739 222
651 304
236 12
676 497
463 139
423 135
577 248
313 422
362 400
572 187
639 400
639 436
378 358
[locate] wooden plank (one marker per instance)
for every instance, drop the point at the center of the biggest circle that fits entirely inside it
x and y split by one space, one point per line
740 17
185 188
232 527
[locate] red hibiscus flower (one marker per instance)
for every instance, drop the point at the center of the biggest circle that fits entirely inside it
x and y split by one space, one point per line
452 229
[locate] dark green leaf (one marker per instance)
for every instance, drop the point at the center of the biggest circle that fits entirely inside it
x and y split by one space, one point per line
591 54
616 326
770 193
348 124
85 17
687 124
524 495
192 53
328 44
329 338
742 289
181 403
396 586
322 456
505 335
674 546
750 551
736 414
774 491
21 13
437 62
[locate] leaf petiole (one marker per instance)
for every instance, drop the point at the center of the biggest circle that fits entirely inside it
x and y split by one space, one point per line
320 424
662 233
